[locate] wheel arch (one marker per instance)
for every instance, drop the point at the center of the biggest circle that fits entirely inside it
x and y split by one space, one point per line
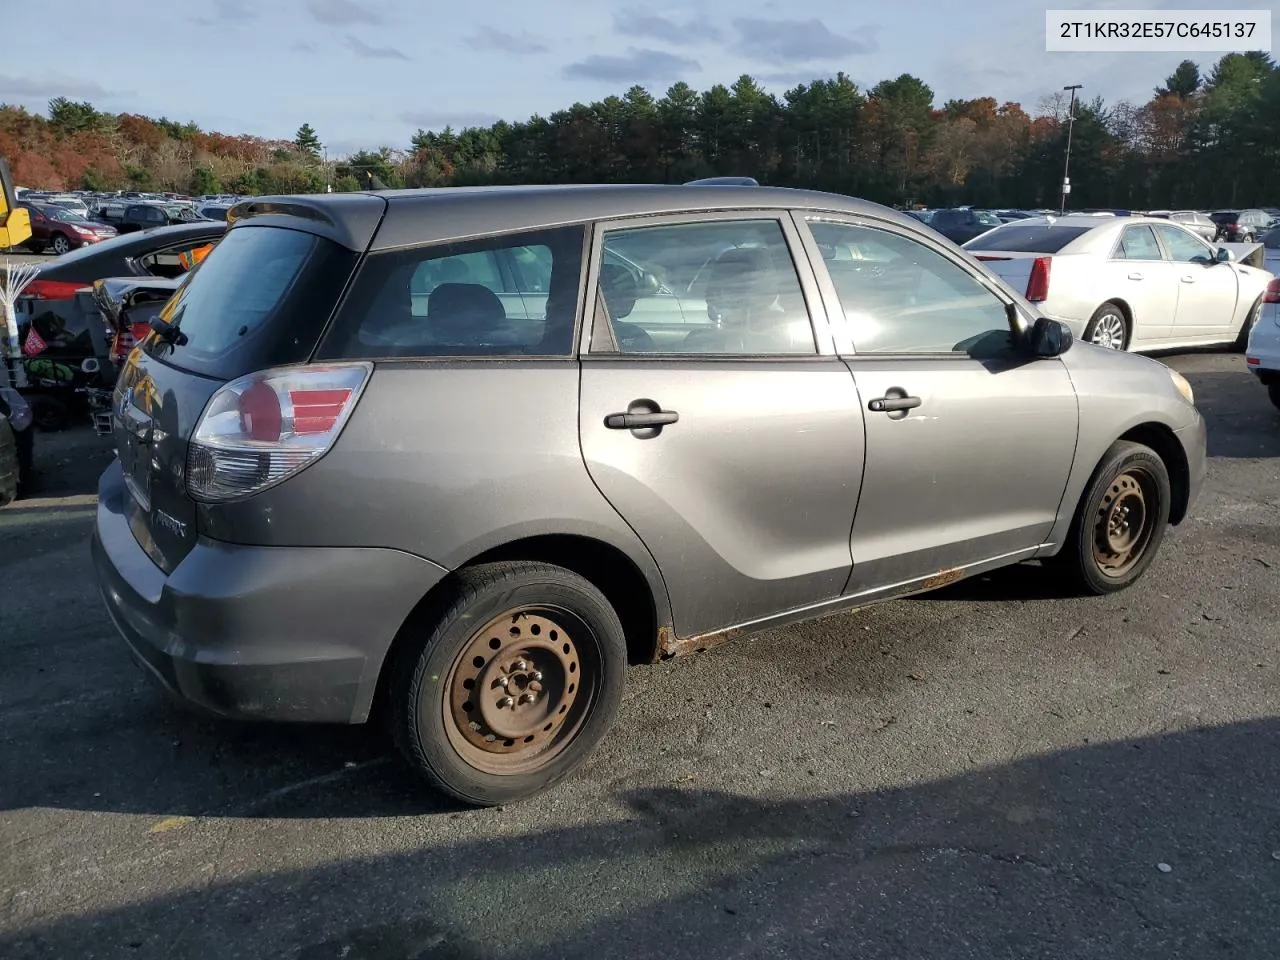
1160 438
640 602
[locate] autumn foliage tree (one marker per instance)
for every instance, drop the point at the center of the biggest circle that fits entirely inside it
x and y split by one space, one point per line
1201 140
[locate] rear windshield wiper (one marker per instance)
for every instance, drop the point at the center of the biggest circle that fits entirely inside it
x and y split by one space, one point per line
167 332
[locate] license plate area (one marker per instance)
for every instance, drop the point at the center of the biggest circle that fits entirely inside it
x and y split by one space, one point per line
135 460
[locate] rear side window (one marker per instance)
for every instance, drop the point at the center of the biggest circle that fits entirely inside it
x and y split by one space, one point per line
259 299
1027 238
507 296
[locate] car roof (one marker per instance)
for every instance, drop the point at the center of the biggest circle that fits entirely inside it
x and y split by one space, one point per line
410 217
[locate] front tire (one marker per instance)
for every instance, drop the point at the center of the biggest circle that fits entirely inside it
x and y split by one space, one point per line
1108 327
59 245
1120 521
512 686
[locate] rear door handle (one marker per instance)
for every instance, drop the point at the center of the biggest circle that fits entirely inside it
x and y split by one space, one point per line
635 421
1135 276
893 404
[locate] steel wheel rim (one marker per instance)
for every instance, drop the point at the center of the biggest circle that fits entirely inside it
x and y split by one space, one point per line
520 690
1123 523
1109 332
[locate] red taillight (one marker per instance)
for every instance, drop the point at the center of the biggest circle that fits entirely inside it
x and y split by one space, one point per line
1253 361
52 289
261 429
1273 292
260 415
1038 282
317 411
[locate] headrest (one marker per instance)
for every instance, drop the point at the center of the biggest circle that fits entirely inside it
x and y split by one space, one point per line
619 289
465 304
742 277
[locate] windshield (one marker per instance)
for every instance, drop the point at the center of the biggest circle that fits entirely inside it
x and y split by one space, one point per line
1027 238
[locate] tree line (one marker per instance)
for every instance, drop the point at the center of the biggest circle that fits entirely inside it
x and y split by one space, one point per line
1199 141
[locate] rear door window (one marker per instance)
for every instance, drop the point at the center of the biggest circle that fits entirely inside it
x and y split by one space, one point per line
511 295
259 299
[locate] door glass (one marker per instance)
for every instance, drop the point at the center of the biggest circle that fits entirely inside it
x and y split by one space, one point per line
725 287
1139 243
462 299
898 296
1184 247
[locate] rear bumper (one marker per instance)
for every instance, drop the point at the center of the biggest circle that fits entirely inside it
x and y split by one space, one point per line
1263 354
265 633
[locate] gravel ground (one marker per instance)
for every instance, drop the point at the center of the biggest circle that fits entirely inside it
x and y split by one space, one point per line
990 772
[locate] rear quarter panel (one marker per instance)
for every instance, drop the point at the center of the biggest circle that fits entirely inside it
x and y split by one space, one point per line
1117 392
445 460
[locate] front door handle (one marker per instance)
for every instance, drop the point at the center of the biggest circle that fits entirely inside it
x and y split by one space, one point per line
1135 276
644 418
633 421
893 404
1188 279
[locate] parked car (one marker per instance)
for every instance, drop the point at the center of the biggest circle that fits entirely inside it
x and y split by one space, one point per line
473 506
59 305
1240 226
963 224
1262 356
68 202
1197 223
60 230
1127 283
213 211
17 444
128 218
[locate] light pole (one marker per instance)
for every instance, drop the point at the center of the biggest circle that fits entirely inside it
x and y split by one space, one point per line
1071 122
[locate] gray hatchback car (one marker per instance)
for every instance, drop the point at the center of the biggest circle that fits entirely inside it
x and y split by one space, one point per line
454 456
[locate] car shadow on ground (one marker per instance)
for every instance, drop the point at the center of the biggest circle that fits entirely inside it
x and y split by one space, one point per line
1162 846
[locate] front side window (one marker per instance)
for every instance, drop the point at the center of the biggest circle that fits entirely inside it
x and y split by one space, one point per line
905 298
707 287
1184 247
511 295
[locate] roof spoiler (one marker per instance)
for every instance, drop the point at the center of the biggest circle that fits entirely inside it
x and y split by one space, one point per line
724 182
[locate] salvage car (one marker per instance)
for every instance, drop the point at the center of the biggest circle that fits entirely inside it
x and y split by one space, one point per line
424 455
1127 283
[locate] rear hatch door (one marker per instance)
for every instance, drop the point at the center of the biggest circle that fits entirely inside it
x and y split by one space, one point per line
261 299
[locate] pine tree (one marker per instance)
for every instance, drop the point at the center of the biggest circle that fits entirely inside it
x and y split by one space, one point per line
307 142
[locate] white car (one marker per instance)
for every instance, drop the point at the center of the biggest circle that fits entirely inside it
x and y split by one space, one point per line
1128 283
1263 353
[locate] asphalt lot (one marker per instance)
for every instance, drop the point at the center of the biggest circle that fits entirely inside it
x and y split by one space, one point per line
990 772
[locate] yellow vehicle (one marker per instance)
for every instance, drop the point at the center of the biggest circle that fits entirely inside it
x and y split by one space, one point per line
15 221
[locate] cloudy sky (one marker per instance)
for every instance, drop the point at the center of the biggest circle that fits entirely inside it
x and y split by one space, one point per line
370 72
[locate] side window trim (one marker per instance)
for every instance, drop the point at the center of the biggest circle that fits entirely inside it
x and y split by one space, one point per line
840 331
593 300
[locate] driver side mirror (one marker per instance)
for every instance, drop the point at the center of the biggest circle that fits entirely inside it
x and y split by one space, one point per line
1223 256
1049 338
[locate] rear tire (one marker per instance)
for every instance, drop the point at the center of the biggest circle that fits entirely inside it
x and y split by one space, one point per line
511 686
1119 523
1108 327
49 414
